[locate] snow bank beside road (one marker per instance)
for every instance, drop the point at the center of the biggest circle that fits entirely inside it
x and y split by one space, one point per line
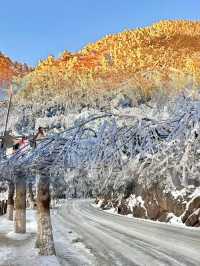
172 218
18 249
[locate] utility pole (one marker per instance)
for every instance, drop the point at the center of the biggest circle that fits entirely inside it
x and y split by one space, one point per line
7 115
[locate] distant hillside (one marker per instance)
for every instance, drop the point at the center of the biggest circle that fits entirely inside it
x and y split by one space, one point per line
164 55
10 69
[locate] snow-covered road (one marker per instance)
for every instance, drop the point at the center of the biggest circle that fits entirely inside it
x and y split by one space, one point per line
117 240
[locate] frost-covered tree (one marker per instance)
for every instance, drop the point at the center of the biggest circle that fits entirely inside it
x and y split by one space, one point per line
101 153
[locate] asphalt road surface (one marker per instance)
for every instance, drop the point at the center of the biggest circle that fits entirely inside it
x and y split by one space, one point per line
116 240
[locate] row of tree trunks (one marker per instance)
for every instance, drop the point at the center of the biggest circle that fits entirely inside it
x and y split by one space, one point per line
45 241
3 207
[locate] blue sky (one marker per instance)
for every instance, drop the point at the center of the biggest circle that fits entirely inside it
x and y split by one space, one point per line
32 29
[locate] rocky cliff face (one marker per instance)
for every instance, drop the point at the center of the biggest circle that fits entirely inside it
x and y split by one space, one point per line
158 204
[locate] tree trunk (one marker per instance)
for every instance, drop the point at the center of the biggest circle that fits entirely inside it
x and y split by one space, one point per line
5 206
31 198
2 207
45 241
20 206
10 203
1 212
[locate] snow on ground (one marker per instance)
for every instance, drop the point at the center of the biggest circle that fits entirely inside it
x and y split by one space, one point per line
19 249
134 201
99 203
111 210
31 227
173 219
3 196
195 193
179 193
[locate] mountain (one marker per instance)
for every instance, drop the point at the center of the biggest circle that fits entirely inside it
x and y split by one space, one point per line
164 55
10 69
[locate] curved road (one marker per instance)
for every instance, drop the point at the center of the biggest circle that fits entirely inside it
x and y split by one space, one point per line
117 240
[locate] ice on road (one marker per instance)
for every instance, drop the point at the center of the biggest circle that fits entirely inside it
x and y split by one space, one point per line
117 240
